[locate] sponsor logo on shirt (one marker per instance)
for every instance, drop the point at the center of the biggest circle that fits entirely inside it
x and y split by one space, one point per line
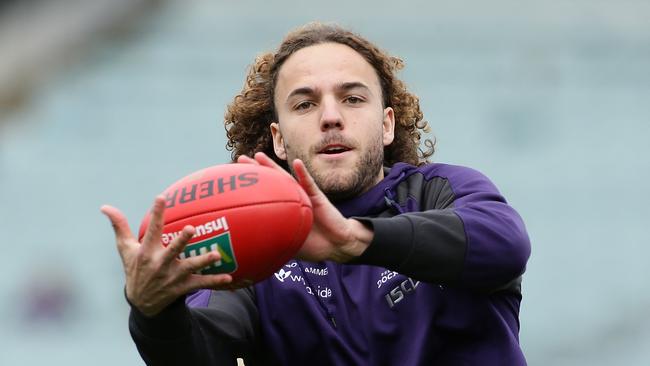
286 276
316 271
401 286
385 276
399 292
282 275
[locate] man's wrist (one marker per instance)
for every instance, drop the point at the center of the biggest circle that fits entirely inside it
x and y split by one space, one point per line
144 309
360 238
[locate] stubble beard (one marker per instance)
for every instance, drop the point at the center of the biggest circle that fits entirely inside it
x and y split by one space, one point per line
341 187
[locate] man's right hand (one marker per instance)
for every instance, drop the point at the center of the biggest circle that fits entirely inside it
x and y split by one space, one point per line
155 277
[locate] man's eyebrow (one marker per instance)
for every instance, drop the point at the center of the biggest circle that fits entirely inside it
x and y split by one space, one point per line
305 90
352 85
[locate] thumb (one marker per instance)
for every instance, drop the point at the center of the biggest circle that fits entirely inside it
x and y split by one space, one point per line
305 179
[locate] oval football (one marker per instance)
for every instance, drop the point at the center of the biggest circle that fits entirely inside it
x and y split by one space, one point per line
257 218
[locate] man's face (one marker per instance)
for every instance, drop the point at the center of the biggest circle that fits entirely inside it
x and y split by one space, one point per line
329 106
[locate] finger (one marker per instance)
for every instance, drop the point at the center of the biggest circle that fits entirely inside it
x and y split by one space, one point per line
154 230
215 282
305 179
178 244
266 161
243 159
195 264
120 224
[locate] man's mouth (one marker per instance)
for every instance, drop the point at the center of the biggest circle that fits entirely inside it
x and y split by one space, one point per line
334 149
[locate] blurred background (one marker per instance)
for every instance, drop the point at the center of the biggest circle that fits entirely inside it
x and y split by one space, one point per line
109 101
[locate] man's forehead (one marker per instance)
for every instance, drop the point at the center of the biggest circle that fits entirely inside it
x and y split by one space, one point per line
325 65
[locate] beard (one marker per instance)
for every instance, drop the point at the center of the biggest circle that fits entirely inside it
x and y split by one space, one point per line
343 186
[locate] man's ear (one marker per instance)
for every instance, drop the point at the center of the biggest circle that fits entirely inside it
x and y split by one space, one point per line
388 126
278 141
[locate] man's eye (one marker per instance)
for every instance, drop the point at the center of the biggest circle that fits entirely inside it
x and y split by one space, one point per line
303 105
353 100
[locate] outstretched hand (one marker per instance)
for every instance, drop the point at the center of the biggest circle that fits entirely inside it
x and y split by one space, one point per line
332 236
155 277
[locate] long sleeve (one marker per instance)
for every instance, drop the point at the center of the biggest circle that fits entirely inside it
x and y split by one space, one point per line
225 329
460 232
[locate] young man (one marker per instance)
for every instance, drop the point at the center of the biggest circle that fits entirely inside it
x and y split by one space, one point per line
407 263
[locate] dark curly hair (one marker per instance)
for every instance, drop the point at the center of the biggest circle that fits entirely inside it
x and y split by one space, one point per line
248 117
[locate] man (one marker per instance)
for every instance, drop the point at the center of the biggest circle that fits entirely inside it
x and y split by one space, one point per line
407 263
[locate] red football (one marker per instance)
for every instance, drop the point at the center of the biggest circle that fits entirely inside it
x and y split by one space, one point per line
256 217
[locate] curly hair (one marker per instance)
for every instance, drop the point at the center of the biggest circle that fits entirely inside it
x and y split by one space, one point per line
248 117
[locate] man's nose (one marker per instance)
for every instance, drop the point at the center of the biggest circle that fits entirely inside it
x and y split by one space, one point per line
331 115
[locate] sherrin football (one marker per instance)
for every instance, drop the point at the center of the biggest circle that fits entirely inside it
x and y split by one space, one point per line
256 217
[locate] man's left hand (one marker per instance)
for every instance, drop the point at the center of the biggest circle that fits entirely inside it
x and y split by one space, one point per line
332 236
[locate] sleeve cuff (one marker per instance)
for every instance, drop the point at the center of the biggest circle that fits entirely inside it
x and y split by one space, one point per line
171 323
390 246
